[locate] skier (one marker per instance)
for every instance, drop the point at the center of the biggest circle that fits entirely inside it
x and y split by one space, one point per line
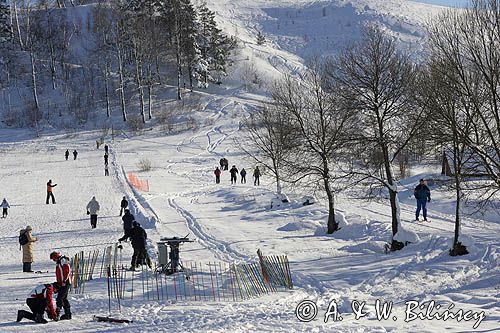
39 301
128 220
423 195
138 238
106 149
66 154
26 241
234 173
217 173
64 281
5 205
49 192
106 170
243 174
106 159
123 205
256 176
92 210
75 154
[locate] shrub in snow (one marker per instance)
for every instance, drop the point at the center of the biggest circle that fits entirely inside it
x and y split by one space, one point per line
308 200
144 165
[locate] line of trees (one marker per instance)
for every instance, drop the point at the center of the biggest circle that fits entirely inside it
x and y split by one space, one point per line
355 116
124 53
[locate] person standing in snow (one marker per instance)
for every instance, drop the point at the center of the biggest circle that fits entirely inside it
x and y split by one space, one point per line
40 300
93 209
27 246
123 205
66 154
128 220
256 176
217 173
106 148
64 280
234 174
221 163
243 174
5 206
75 154
106 170
106 159
49 192
423 195
138 238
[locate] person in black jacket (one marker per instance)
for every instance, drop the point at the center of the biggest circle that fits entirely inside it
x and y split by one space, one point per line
106 159
75 154
128 220
138 238
423 195
123 205
234 174
66 154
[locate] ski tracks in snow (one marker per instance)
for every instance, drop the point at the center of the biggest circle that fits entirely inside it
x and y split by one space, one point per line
221 249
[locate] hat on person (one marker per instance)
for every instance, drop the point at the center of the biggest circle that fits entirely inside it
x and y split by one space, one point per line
28 228
55 255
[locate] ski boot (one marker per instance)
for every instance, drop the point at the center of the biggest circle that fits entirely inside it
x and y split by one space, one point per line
39 318
20 315
66 316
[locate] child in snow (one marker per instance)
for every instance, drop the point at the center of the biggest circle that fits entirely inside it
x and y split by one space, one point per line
5 206
39 301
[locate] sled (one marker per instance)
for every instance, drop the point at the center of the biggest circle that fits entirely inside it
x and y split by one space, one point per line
112 320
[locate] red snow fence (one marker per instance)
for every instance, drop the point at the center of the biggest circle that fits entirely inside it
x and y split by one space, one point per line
136 182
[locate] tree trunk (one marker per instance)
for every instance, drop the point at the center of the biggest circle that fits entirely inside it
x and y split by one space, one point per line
122 84
332 224
106 87
18 28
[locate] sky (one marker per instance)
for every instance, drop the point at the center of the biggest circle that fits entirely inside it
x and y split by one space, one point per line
451 3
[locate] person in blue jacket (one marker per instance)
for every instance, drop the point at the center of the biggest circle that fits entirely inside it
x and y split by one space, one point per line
423 195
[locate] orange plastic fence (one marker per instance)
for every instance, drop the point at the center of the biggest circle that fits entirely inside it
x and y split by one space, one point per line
139 184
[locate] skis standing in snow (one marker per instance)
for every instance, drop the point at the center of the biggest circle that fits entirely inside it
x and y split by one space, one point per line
26 241
39 301
423 195
49 192
93 208
5 206
64 280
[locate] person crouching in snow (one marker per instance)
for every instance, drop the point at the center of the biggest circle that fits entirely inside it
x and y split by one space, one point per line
26 240
5 206
39 301
93 209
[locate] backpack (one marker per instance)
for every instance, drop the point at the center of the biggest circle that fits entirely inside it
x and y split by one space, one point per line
23 238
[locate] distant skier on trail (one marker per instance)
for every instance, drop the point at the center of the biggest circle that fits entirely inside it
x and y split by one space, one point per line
256 176
106 148
128 220
5 206
66 154
106 159
64 280
93 208
234 174
123 205
217 173
26 241
423 195
243 174
40 300
138 238
75 154
49 192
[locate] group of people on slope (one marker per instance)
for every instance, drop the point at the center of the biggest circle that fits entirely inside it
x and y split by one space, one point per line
234 175
41 298
75 154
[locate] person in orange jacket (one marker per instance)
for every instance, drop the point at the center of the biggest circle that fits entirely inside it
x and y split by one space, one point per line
49 192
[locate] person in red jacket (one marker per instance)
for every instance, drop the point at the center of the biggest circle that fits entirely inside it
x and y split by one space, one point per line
217 173
39 301
64 281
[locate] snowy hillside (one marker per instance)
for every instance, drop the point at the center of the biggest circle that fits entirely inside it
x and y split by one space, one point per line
229 223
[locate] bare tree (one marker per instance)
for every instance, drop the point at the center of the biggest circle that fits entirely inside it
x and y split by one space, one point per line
322 126
378 82
271 139
470 42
